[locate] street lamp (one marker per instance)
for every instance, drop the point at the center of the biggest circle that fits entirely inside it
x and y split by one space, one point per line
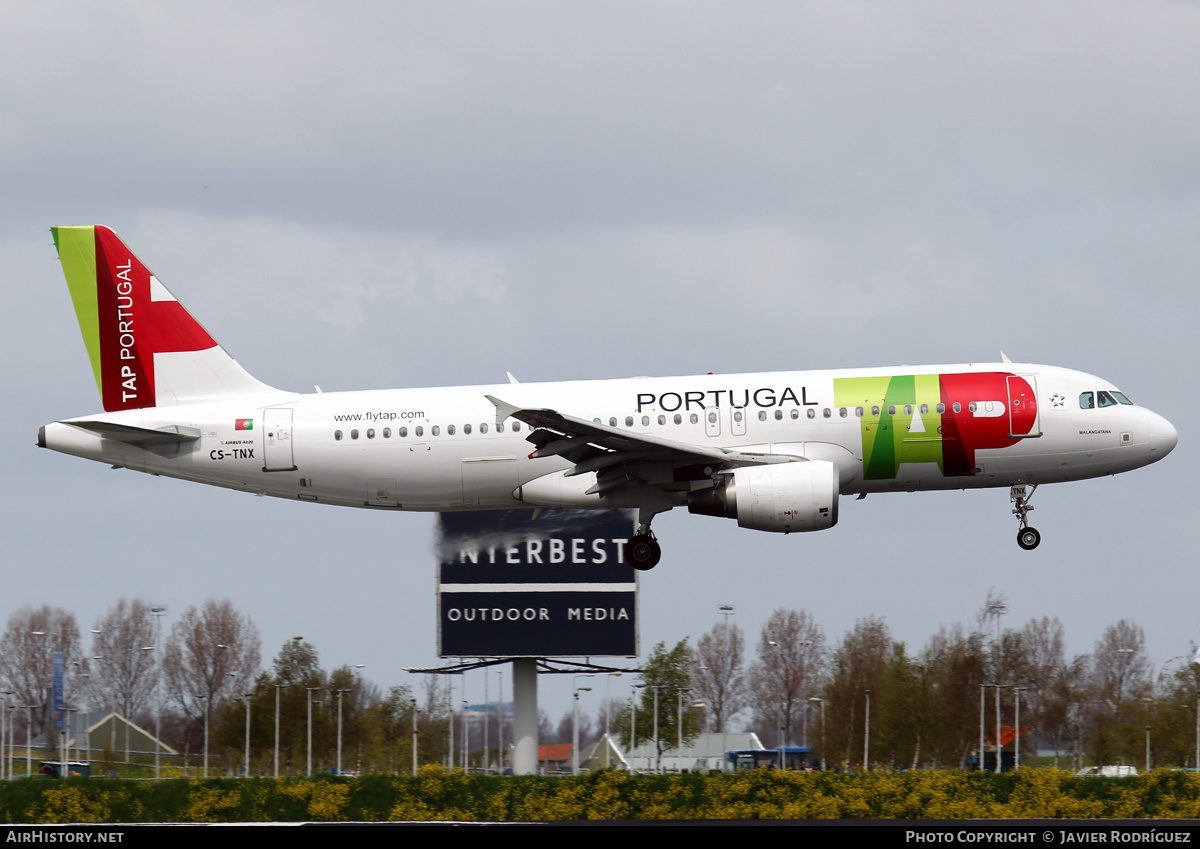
278 687
414 746
575 732
246 769
867 736
340 692
679 691
311 690
822 701
1017 725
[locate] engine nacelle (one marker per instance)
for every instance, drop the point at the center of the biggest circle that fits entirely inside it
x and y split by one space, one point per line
781 497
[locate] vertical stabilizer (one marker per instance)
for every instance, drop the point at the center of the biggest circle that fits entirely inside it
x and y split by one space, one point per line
146 349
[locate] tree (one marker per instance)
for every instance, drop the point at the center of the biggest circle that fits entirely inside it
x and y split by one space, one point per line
857 666
124 677
717 673
791 661
27 658
1120 679
213 650
665 676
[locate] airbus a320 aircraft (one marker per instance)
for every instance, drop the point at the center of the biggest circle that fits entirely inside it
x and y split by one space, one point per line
773 451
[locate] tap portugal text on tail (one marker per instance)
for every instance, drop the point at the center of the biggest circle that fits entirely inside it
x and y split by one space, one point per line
774 451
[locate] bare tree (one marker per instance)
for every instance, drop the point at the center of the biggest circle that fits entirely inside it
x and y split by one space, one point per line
212 650
791 661
27 658
123 676
718 676
1120 678
858 664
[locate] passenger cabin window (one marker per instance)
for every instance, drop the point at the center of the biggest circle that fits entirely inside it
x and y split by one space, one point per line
435 430
842 412
762 415
693 418
826 413
516 427
858 411
354 434
957 407
779 415
678 419
419 431
483 427
612 422
796 414
812 414
874 410
662 420
645 421
402 432
449 430
370 433
1086 401
629 421
387 433
337 434
466 429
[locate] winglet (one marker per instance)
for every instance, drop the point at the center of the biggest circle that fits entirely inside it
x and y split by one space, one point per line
503 409
1004 357
511 379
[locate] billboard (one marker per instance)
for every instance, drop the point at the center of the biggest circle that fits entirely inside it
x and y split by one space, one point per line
511 585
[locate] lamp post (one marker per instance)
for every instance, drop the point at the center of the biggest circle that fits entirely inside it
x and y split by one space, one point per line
1017 726
575 731
867 736
158 612
278 687
414 742
679 691
340 693
246 767
822 701
311 690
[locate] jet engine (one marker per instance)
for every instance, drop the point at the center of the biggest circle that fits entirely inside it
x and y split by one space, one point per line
780 497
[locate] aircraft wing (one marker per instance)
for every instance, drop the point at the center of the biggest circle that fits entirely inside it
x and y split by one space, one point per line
617 455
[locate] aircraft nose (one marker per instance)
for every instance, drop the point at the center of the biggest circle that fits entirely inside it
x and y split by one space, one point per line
1163 437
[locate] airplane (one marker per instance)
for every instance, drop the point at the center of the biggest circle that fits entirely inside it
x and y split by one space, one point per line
774 451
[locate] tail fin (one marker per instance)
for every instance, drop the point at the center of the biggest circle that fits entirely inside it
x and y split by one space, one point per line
146 350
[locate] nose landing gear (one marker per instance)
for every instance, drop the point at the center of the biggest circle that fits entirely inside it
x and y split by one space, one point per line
1028 538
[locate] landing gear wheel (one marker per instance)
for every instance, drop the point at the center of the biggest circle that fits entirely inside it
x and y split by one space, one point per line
643 552
1028 538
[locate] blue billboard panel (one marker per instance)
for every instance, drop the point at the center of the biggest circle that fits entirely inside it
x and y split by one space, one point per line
510 585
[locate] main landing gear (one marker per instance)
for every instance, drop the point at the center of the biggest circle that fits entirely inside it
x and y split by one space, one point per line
643 551
1028 538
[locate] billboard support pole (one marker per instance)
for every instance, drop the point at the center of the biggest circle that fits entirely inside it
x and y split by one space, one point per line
525 718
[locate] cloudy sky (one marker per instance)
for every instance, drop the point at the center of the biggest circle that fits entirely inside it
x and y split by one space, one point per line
377 195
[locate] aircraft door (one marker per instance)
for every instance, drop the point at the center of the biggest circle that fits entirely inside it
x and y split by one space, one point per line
712 421
277 440
1024 420
737 421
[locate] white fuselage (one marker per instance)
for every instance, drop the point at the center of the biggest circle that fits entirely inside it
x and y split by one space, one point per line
442 449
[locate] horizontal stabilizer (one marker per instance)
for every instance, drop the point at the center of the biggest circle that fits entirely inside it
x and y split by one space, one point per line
143 436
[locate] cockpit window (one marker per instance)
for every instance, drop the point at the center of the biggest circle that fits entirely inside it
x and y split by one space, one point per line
1120 396
1105 400
1086 401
